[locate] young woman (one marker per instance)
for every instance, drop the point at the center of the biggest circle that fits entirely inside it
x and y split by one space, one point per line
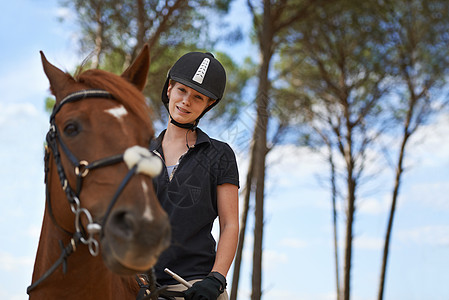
199 183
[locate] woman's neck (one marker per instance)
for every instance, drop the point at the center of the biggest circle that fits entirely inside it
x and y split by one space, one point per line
175 134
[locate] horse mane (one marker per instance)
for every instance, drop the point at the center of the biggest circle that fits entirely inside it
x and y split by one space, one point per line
122 90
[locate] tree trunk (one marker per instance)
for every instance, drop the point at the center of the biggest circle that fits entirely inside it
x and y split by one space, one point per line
334 219
98 39
266 42
141 28
259 170
348 241
390 225
397 184
243 222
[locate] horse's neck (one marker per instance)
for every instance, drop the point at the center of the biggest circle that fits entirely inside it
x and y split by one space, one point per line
86 278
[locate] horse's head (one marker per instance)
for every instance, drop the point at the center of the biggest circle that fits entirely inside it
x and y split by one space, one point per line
100 129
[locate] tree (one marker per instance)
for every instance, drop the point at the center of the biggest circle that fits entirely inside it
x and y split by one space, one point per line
270 20
334 73
416 31
114 31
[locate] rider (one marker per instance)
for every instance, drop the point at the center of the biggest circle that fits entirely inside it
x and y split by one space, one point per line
199 182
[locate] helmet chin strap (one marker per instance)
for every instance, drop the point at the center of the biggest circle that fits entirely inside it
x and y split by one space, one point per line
190 126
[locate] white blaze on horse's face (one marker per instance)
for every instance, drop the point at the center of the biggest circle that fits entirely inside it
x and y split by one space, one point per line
147 164
147 214
117 112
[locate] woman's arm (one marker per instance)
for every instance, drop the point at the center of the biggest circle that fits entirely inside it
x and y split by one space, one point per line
228 216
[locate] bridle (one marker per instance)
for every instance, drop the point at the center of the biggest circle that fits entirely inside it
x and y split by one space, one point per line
81 168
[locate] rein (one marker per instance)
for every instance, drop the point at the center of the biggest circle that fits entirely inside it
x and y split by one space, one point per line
81 168
152 291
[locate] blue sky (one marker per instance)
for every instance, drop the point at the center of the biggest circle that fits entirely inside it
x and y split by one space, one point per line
298 251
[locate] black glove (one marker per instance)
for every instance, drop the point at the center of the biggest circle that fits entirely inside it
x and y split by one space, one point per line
207 289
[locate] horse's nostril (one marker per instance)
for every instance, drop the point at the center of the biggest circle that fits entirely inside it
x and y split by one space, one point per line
123 224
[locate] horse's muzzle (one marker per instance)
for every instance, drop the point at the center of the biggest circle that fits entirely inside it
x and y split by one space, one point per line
132 243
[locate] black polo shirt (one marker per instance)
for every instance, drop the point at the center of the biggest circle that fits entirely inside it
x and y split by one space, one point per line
190 200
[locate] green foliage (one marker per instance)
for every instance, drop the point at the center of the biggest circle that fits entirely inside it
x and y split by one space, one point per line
356 51
355 70
117 29
237 78
417 34
49 103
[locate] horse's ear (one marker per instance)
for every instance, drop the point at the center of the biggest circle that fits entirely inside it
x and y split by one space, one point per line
58 79
137 72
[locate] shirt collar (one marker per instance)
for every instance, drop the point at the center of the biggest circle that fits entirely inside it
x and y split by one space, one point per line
202 138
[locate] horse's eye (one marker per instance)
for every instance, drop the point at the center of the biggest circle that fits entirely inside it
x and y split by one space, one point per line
71 129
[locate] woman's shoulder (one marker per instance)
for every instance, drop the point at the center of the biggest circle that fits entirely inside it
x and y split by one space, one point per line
224 151
215 144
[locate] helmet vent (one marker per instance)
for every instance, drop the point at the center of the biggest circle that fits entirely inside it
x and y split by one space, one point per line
201 72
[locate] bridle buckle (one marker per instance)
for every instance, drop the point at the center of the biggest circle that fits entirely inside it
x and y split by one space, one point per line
82 169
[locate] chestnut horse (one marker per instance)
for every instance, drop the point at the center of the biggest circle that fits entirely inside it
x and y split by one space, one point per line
102 221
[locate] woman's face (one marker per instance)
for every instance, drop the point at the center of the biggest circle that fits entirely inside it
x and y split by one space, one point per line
186 104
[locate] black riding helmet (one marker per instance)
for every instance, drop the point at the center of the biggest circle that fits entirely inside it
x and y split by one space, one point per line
201 72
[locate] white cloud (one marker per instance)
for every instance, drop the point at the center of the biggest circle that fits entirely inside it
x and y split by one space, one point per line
34 231
368 243
10 113
431 139
293 165
27 71
293 242
430 194
5 294
436 235
10 262
64 13
274 259
282 294
374 206
25 80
